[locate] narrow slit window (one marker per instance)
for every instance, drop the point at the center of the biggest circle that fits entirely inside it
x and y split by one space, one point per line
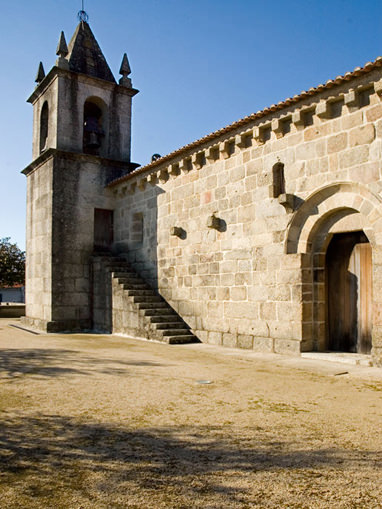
278 180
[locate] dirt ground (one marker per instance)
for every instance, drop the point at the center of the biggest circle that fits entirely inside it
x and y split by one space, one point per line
108 422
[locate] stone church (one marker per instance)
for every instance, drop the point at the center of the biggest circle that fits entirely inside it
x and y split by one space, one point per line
264 235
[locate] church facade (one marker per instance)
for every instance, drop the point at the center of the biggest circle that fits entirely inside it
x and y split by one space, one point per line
264 235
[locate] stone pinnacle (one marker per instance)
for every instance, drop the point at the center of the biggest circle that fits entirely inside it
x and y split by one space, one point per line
40 74
125 71
125 66
62 48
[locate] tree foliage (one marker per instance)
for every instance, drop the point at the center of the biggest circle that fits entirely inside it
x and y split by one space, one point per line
12 263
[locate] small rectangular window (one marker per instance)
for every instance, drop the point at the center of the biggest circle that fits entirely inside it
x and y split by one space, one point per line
137 228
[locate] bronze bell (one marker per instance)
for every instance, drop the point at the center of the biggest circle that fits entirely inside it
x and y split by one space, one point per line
93 140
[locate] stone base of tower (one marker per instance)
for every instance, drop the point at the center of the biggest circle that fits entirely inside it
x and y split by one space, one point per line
56 326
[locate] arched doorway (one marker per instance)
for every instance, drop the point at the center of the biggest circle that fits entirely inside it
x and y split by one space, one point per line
337 232
348 281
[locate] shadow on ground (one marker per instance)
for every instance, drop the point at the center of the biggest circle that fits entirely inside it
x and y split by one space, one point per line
45 363
51 453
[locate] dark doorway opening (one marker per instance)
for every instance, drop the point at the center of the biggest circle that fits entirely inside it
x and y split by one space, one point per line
349 293
103 229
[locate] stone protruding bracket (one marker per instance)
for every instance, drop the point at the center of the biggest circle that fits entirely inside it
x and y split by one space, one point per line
212 153
378 88
174 170
142 183
214 222
185 165
323 109
243 140
287 201
177 231
351 99
132 188
227 148
198 160
125 70
152 179
277 127
163 175
62 52
40 74
298 119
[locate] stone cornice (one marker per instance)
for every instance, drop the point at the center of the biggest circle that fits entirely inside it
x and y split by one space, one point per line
58 72
316 100
77 156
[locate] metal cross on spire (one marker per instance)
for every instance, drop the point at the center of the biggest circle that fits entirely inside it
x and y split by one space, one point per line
82 14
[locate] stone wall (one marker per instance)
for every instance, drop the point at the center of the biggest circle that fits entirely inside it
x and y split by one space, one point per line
38 274
238 259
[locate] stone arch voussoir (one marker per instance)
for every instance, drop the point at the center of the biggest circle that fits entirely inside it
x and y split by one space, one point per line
327 206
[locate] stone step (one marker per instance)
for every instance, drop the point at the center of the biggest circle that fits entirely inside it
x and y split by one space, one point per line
152 305
170 318
119 270
128 280
147 298
176 332
139 292
165 312
136 286
164 322
120 274
171 326
181 340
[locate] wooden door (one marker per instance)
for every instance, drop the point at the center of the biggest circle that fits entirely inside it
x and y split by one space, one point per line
349 293
363 270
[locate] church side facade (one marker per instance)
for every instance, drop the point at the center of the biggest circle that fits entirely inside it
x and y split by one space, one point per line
265 235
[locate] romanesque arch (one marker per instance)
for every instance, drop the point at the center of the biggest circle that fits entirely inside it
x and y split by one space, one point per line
342 214
327 206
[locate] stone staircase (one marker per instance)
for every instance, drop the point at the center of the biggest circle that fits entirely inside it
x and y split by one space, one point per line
140 311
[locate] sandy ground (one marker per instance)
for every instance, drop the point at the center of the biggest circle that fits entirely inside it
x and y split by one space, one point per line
105 422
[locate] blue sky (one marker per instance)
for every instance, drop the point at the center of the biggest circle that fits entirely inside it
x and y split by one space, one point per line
199 65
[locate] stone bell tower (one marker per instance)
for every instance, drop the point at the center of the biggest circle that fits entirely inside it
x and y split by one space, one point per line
81 141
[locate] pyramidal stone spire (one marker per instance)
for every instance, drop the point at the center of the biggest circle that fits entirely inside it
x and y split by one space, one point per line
125 71
85 55
62 52
40 74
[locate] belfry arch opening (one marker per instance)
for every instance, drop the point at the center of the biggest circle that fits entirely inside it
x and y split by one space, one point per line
93 127
44 125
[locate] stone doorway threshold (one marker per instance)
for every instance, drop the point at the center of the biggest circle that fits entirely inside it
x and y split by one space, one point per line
355 359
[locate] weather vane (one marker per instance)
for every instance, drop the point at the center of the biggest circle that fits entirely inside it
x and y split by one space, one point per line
82 14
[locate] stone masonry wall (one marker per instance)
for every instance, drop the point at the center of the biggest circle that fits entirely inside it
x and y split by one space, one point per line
215 236
38 243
